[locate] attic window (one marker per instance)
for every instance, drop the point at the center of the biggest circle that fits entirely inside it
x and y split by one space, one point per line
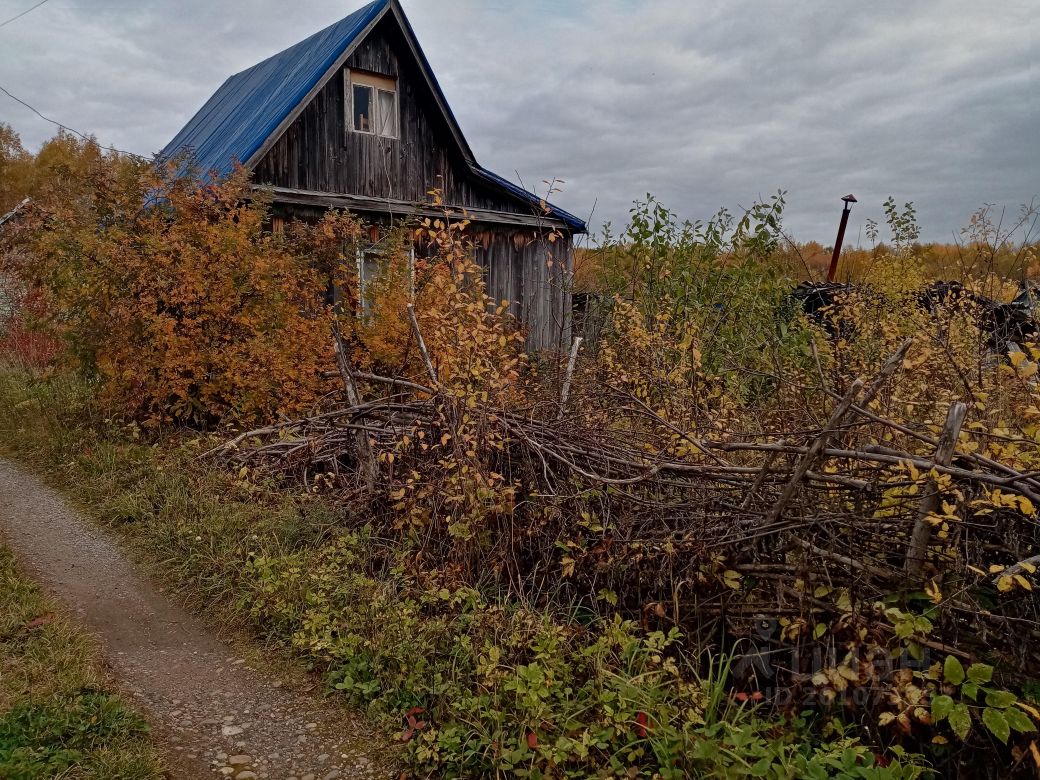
373 104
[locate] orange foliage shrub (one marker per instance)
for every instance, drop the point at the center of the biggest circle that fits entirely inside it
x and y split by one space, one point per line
474 345
174 292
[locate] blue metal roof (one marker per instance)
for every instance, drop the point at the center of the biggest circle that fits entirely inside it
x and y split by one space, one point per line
248 108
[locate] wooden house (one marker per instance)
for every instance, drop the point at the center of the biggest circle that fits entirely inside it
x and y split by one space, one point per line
353 118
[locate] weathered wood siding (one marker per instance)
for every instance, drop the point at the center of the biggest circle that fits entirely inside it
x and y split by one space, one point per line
522 267
320 152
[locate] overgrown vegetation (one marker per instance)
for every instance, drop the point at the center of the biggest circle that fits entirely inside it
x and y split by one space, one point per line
58 716
730 547
499 677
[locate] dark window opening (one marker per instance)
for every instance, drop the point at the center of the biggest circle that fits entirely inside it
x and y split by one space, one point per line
363 108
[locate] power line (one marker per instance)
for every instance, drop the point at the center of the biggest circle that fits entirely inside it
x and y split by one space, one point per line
66 128
23 13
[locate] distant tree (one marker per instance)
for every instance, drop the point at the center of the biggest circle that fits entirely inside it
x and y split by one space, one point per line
16 169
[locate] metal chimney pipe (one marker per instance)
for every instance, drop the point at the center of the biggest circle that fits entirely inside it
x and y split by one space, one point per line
833 271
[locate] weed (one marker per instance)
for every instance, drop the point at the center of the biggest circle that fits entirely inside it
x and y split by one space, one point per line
57 718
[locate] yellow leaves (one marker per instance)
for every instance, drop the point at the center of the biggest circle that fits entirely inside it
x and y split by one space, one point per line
911 470
933 592
916 359
1024 368
1007 583
567 564
999 499
731 579
1028 708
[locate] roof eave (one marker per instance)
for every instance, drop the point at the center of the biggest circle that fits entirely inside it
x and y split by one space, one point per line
402 208
574 224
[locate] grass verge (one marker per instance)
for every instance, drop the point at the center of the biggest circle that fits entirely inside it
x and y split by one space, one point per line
58 716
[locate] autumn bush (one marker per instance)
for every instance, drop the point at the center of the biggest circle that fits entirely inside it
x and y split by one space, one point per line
178 294
24 338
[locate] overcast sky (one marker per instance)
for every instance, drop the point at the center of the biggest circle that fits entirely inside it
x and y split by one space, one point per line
702 103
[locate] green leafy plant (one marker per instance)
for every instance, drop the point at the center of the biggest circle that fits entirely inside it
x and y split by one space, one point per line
972 698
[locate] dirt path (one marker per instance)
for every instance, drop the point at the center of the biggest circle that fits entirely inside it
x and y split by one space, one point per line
219 716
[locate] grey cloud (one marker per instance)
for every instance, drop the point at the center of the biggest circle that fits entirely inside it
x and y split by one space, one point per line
703 104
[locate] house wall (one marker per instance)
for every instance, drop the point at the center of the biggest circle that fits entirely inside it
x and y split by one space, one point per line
318 152
521 266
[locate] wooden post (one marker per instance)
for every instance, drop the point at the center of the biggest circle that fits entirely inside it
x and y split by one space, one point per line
917 552
566 390
366 457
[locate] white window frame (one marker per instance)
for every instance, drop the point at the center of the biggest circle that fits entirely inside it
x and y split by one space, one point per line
376 84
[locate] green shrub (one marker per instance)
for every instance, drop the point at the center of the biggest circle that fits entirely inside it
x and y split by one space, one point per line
486 688
56 718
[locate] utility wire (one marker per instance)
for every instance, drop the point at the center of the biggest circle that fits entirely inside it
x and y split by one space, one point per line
70 129
23 13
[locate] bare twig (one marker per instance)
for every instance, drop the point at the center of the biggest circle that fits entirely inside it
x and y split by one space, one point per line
422 345
819 443
365 452
566 390
917 551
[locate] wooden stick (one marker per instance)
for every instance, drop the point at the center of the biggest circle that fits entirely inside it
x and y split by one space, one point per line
394 382
972 456
844 560
422 345
566 390
346 372
1018 568
894 361
815 448
760 478
917 551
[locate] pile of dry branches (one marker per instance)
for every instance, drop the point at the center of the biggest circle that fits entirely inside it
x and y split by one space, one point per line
819 525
